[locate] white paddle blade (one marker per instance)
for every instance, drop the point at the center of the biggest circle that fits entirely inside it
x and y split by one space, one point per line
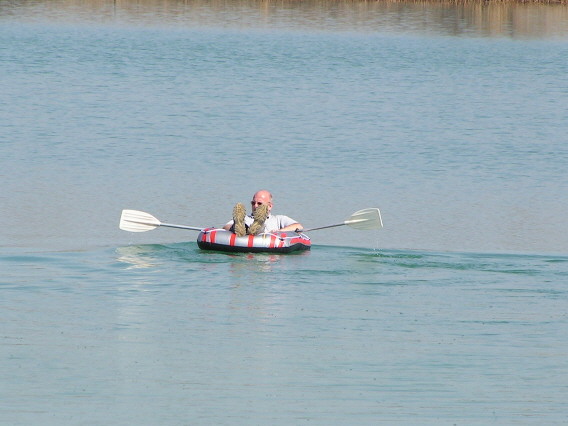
365 219
137 221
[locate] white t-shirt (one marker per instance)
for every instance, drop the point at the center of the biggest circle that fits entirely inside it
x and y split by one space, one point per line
273 222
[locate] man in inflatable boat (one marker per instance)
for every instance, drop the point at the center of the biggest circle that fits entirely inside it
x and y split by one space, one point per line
260 220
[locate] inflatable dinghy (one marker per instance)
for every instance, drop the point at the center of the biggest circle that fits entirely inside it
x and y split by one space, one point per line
227 241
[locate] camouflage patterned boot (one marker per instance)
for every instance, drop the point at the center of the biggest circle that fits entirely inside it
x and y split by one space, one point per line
260 215
239 213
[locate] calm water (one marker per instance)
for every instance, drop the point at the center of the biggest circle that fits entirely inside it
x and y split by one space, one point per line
451 119
153 334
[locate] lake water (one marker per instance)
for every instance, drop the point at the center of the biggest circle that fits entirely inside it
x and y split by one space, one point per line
451 119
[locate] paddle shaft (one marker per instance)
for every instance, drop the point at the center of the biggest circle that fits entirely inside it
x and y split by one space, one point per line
323 227
171 225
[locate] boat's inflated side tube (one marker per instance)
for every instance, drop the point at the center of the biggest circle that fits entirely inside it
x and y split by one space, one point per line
278 242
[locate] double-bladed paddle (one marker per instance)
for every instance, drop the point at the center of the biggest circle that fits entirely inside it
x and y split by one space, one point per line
137 221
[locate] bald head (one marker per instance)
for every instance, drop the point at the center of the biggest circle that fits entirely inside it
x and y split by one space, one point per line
261 197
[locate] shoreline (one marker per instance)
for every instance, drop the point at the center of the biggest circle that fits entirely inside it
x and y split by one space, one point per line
269 3
509 18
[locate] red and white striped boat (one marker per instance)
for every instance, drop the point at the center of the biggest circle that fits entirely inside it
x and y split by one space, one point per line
278 242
